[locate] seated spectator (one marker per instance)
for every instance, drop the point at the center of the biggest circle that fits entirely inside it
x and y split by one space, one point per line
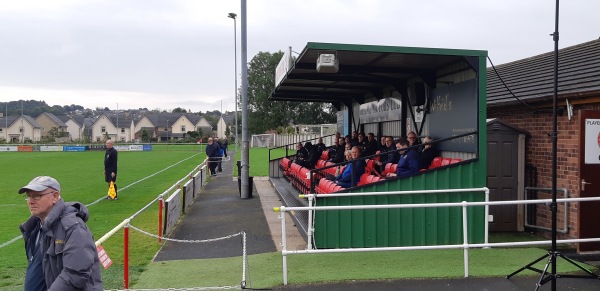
362 141
320 146
348 140
428 153
354 139
381 146
371 145
301 153
408 164
347 148
392 155
412 139
313 156
353 170
338 152
413 142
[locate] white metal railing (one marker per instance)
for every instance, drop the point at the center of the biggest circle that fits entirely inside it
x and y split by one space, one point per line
565 227
311 198
465 245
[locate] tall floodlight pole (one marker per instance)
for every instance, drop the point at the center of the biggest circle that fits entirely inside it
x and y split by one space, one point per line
235 95
6 121
117 135
245 149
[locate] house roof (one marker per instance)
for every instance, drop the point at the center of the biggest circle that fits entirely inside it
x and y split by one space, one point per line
29 119
167 119
7 120
533 77
54 119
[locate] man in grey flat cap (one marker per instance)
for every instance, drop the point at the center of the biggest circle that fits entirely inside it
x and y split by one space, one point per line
60 248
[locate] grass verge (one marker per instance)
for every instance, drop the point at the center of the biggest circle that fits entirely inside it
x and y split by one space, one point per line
265 270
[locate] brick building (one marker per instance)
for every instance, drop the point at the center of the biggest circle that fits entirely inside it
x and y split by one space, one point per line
520 93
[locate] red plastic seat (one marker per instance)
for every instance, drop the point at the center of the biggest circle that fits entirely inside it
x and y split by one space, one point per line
324 155
321 164
437 161
363 179
370 166
446 161
387 169
455 160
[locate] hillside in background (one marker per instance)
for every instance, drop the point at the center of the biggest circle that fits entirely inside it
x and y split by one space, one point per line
34 108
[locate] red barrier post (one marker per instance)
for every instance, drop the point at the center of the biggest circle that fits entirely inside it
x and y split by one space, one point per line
160 217
126 256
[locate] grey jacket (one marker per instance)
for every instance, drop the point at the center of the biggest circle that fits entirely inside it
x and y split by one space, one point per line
70 257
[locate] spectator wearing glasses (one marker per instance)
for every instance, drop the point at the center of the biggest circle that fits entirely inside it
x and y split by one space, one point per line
61 253
413 141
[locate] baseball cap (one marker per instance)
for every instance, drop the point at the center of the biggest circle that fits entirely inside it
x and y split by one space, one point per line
41 183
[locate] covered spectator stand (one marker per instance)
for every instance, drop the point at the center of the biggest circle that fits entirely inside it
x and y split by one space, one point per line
390 91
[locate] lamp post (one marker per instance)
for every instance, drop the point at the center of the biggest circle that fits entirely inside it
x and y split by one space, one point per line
233 16
167 129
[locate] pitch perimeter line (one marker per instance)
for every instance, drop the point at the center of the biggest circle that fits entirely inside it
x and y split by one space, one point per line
104 197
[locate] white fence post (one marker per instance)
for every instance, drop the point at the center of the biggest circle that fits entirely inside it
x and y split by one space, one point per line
465 238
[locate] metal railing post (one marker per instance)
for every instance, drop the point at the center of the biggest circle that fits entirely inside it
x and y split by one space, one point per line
283 245
161 203
465 238
126 256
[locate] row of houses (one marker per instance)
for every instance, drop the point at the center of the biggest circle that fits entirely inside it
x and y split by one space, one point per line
160 127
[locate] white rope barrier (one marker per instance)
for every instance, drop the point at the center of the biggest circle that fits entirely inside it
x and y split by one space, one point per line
241 233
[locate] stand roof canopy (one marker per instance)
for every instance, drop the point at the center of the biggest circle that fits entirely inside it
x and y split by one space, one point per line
364 71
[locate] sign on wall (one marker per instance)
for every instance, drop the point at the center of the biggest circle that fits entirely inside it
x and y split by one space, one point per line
592 141
453 112
387 109
172 211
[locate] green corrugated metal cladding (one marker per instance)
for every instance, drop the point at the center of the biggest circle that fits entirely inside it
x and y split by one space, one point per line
405 227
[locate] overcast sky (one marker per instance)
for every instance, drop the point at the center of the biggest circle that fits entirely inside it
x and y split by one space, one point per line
180 53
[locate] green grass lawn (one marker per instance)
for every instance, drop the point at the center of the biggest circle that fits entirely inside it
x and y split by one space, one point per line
81 177
265 270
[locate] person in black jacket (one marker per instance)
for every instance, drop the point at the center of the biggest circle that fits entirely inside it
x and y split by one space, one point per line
392 155
338 153
313 156
370 145
428 153
110 166
212 153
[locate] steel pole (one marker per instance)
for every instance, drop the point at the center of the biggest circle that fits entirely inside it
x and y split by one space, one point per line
245 149
235 89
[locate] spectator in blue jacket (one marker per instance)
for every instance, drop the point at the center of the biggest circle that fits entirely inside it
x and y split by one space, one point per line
353 170
409 163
